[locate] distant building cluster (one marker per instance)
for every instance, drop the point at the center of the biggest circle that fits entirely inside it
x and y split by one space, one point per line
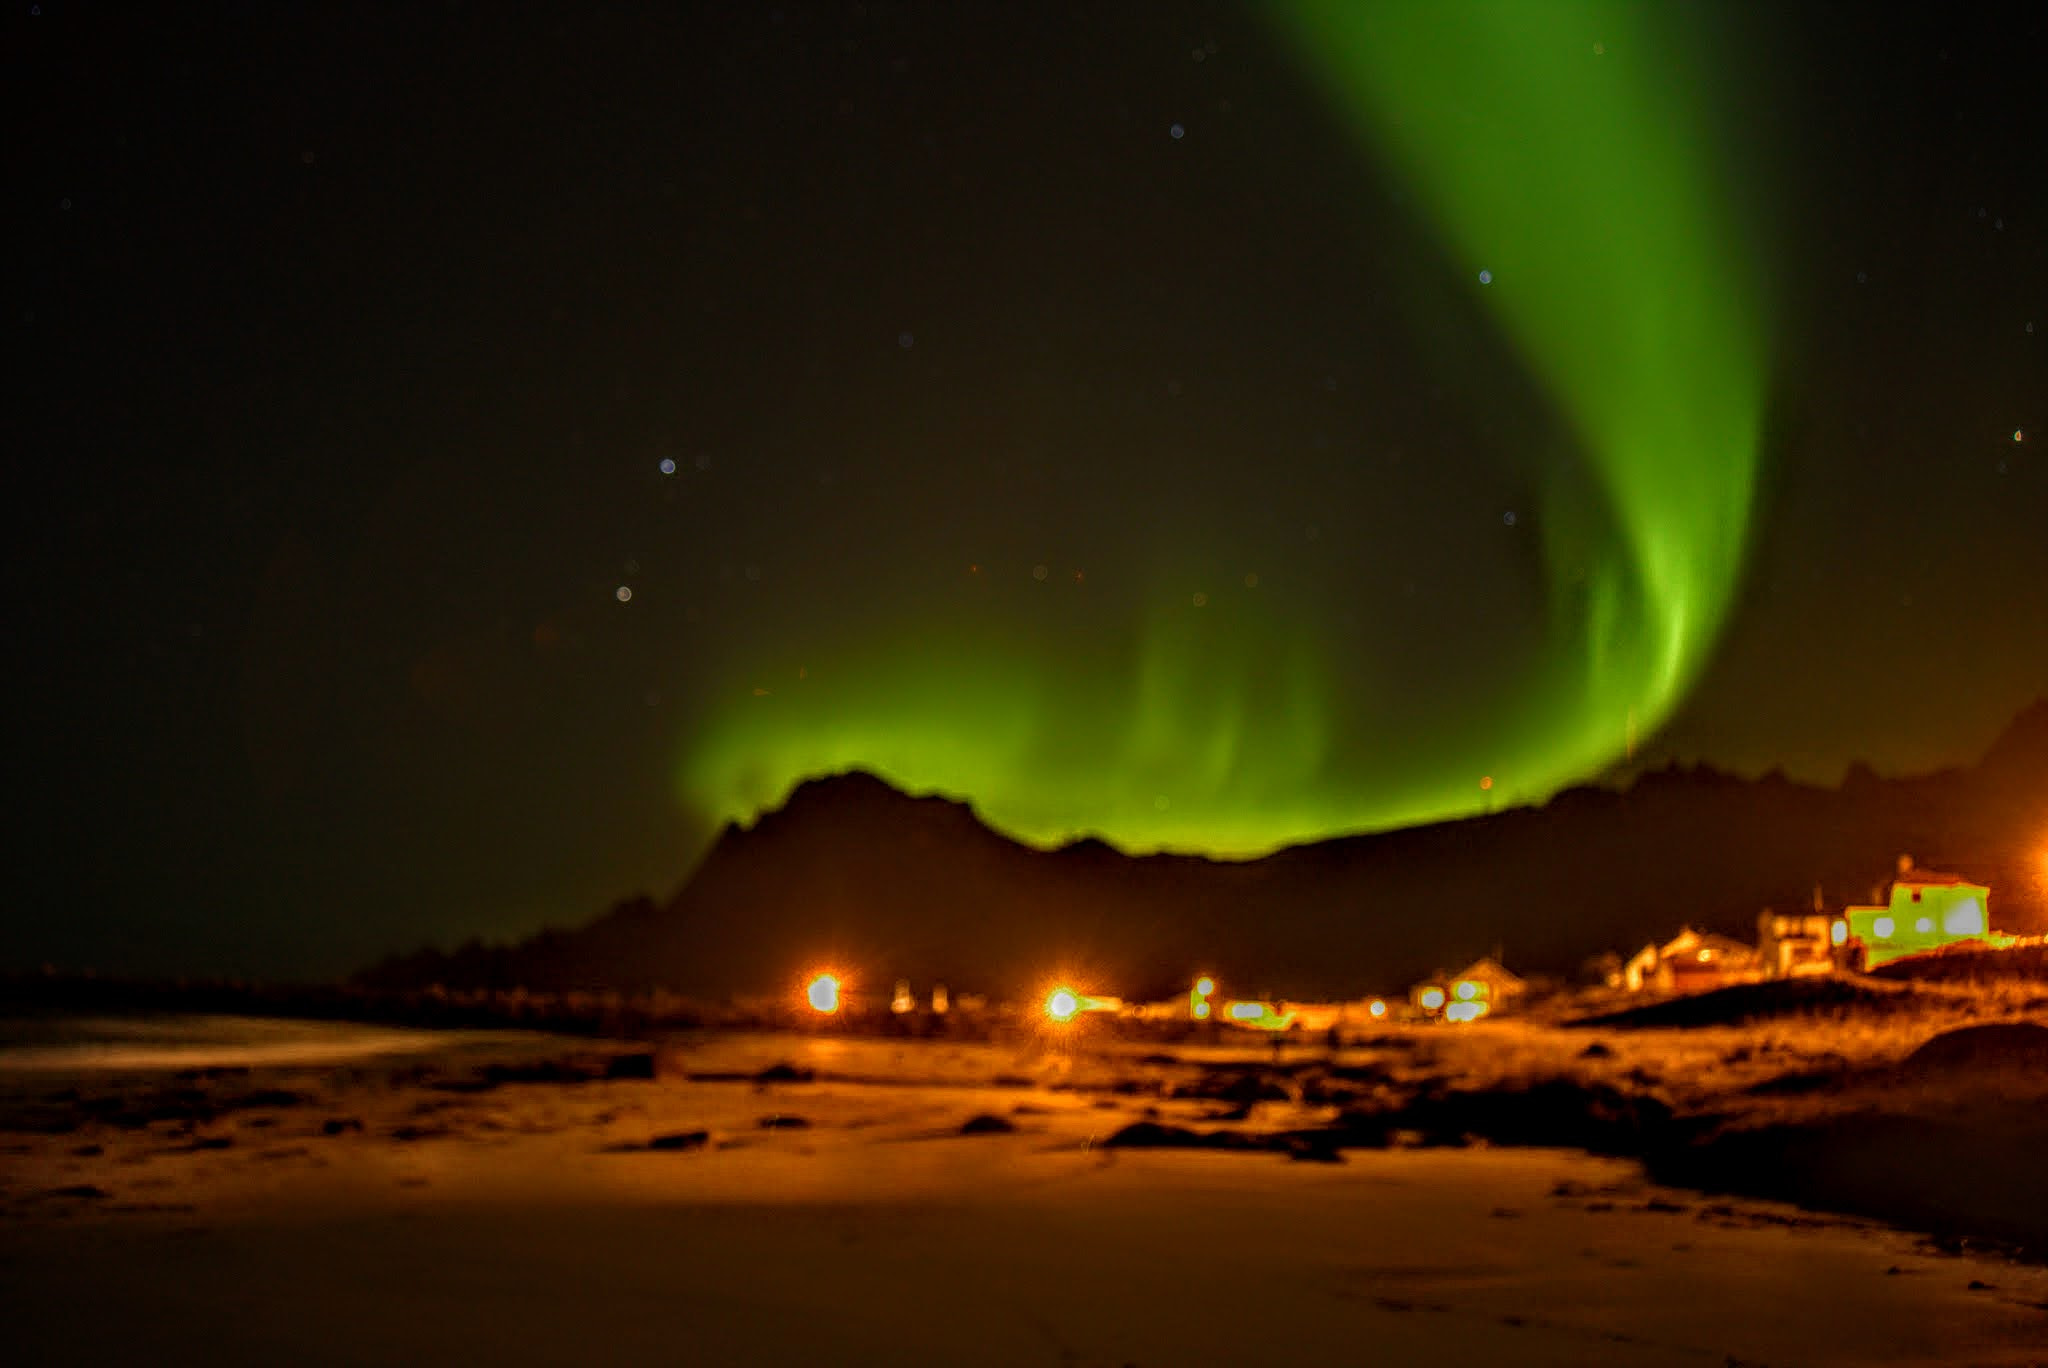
1481 989
1924 912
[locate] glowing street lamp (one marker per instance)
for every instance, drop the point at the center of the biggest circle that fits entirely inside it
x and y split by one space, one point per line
823 993
1064 1004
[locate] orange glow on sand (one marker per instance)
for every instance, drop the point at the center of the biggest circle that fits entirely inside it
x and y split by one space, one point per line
823 992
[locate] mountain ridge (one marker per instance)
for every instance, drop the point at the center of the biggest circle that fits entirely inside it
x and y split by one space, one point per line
883 885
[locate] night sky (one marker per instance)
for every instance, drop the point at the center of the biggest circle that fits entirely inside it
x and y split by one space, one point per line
466 453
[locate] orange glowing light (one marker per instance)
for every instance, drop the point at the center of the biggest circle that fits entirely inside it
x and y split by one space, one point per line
1466 990
1465 1011
1377 1008
1884 926
1485 782
1839 932
823 992
1201 1011
1062 1003
1432 998
1205 986
1259 1015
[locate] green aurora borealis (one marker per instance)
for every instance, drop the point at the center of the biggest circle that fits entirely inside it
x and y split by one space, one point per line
1567 179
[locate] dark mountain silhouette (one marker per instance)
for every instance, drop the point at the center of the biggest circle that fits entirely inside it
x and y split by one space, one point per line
854 873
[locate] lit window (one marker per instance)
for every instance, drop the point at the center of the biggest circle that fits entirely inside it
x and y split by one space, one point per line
1883 927
1924 925
1467 990
1432 998
1966 918
1839 932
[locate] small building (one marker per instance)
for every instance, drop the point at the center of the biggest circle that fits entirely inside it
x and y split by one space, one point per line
1481 988
1927 911
1692 962
1789 946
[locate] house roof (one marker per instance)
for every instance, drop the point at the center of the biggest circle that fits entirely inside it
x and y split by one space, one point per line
1490 970
1927 878
1686 939
1689 942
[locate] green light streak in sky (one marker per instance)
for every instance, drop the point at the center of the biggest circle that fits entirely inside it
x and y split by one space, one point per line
1553 149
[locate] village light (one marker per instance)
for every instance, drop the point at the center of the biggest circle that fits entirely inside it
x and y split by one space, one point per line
823 992
1259 1015
1467 990
1198 998
1924 925
902 1001
1839 933
1205 985
1884 926
1465 1011
1432 998
1061 1004
1377 1007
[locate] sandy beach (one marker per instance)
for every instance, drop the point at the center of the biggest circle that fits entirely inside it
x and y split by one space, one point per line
501 1200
